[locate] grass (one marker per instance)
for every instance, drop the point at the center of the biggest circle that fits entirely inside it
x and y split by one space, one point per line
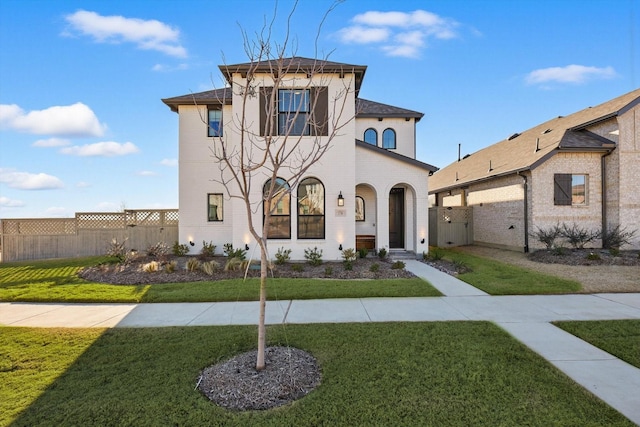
618 337
499 278
441 373
57 281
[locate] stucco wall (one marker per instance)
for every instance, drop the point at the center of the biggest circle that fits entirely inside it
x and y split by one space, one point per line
405 133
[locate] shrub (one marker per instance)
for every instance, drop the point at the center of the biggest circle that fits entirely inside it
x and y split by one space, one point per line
159 250
179 250
592 256
349 255
559 250
170 267
328 271
283 255
208 249
234 253
210 267
298 268
193 265
233 264
382 253
615 252
398 265
117 250
547 236
578 236
151 267
313 256
363 252
348 265
616 238
461 267
374 268
434 254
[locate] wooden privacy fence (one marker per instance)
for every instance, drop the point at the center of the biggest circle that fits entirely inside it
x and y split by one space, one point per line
450 226
88 234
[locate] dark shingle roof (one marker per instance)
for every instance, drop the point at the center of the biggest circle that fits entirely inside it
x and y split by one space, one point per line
372 109
532 147
209 97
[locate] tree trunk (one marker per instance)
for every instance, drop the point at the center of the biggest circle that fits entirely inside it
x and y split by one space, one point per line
260 364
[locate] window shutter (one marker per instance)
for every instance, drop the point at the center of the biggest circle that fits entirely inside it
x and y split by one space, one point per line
562 189
320 118
265 110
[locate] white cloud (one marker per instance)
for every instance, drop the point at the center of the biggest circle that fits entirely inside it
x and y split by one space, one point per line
75 120
6 202
570 74
52 142
169 162
101 149
29 181
146 173
145 34
162 68
408 30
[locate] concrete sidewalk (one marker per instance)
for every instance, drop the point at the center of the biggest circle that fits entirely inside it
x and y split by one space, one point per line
527 318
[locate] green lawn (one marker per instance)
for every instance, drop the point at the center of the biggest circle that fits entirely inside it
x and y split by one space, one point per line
56 281
499 278
618 337
440 374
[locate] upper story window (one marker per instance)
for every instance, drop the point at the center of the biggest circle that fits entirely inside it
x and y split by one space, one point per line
280 208
294 112
214 123
389 138
311 209
569 190
371 136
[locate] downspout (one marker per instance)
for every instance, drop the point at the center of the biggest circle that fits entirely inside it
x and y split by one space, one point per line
603 180
525 187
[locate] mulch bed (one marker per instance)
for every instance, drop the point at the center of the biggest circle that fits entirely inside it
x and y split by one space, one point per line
585 257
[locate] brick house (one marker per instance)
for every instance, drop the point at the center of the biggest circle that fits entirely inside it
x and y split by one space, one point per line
367 190
583 168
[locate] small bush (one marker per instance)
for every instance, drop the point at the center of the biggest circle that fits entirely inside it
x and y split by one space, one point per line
313 256
208 249
616 238
210 267
234 253
298 268
283 256
434 254
382 253
547 236
348 265
117 249
593 256
328 271
151 267
179 249
615 252
461 267
559 250
363 252
374 268
233 264
159 250
170 267
193 265
398 265
349 255
578 236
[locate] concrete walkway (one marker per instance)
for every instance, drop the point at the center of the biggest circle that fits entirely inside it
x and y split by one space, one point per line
527 318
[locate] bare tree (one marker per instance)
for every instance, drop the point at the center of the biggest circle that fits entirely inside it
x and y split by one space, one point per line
282 147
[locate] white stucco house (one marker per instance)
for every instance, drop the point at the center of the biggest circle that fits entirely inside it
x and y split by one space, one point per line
367 190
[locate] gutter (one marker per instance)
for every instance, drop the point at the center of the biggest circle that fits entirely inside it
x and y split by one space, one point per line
603 180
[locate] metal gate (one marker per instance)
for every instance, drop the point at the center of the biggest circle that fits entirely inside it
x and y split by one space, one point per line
450 226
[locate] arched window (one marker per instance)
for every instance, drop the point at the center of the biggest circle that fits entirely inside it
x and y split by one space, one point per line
310 209
371 136
389 138
279 205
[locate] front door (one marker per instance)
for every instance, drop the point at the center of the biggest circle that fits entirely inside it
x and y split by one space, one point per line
396 218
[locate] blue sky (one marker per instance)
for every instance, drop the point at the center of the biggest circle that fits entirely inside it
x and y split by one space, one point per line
82 127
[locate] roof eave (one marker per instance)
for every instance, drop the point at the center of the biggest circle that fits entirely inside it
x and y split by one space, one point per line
396 156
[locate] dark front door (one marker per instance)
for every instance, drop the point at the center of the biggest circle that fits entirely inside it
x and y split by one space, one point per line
396 218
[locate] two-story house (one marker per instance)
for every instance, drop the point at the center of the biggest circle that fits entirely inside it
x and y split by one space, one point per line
366 190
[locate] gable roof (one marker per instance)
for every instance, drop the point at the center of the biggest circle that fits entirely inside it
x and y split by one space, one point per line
296 64
395 156
526 150
372 109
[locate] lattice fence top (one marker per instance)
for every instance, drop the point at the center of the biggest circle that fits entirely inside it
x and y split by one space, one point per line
455 214
40 226
91 221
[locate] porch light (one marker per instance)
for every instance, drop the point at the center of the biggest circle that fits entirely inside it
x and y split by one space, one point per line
340 247
422 241
191 243
340 199
246 246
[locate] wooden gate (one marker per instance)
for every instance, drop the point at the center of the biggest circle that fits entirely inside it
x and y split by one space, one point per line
450 226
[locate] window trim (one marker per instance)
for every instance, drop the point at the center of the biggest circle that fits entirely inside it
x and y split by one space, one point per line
286 197
384 144
294 113
301 216
211 133
219 207
563 189
375 132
